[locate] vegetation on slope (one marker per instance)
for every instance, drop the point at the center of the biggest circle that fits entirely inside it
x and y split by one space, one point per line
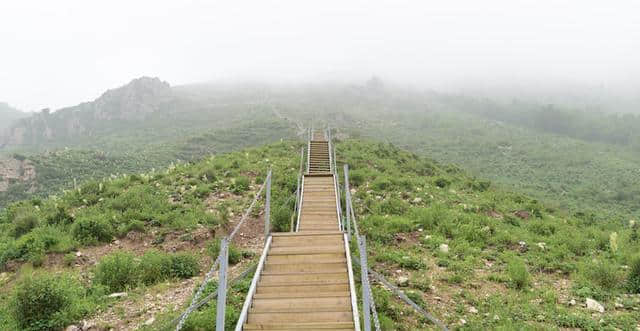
180 200
64 168
482 258
476 256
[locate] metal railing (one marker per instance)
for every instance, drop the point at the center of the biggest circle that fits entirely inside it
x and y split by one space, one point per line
294 227
254 285
369 308
222 261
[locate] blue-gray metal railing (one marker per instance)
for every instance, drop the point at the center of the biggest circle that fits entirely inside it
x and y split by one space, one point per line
194 301
222 284
364 276
267 208
363 264
347 198
298 191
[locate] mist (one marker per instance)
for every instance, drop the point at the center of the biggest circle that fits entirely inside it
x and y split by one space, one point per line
61 53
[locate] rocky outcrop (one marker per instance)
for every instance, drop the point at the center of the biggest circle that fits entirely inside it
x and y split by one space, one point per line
15 171
132 102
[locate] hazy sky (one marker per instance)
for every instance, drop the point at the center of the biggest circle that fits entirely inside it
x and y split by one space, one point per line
60 53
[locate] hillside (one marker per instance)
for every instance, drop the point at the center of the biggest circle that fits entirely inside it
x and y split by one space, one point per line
8 115
585 167
474 255
23 176
143 125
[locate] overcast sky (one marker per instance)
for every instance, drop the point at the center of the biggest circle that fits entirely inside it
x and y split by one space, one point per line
60 53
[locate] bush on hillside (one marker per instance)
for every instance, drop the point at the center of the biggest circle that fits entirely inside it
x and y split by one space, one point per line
240 185
117 271
603 274
235 255
47 302
23 223
154 267
184 266
633 279
92 229
518 273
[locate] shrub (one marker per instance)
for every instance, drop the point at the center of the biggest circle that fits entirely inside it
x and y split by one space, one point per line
442 182
184 265
603 274
59 216
117 271
393 206
633 279
381 184
154 267
518 273
240 185
235 255
47 302
90 230
281 218
23 223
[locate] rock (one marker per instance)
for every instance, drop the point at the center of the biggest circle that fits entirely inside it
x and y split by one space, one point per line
427 237
523 246
572 302
150 321
116 242
78 254
523 214
403 281
542 246
417 200
496 317
473 310
594 305
117 295
619 305
73 328
444 248
463 321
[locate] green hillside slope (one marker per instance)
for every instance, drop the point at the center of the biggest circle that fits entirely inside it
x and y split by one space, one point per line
476 256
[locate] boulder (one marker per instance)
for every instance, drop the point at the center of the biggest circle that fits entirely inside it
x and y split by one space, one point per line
403 281
594 305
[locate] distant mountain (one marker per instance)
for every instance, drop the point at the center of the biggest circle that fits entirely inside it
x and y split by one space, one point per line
8 115
130 103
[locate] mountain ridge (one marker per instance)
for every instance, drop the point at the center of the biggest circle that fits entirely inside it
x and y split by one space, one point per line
131 102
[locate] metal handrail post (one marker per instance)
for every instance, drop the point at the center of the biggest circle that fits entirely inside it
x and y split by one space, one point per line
366 305
267 209
347 195
222 285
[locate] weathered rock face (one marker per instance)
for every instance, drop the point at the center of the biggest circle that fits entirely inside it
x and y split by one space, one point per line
132 102
14 170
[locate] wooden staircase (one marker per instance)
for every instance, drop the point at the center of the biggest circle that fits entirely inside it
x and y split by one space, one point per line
306 281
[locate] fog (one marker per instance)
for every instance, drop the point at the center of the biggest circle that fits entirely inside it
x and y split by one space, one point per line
60 53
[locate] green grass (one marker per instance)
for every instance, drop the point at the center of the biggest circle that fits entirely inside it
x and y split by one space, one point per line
407 206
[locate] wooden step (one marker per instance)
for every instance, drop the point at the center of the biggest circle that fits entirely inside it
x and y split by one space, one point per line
300 309
308 316
300 326
305 250
301 277
307 258
305 267
306 288
342 294
295 234
278 304
301 241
